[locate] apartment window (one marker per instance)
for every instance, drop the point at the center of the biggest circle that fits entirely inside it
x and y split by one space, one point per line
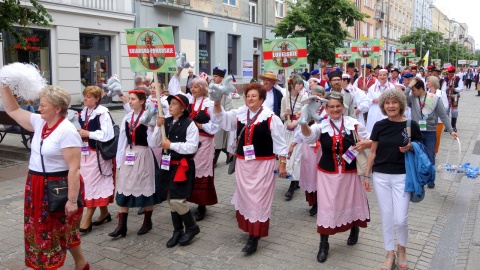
372 4
365 29
253 12
232 54
204 53
378 32
365 3
230 2
279 8
371 34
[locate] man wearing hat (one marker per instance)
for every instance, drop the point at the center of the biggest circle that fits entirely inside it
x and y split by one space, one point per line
452 85
371 101
406 78
395 79
414 70
222 137
316 74
358 96
376 70
366 80
335 78
351 72
178 177
274 95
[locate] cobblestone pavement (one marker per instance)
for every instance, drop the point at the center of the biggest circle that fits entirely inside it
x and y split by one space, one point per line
444 233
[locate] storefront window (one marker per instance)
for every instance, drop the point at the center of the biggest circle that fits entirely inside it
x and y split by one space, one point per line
204 55
36 50
232 54
95 58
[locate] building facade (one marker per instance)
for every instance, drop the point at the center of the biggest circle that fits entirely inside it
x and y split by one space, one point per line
223 33
84 45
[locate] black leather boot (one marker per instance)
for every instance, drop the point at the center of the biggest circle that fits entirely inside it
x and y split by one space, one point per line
178 229
200 214
313 210
252 244
323 249
454 123
191 229
121 227
147 223
353 237
291 189
217 154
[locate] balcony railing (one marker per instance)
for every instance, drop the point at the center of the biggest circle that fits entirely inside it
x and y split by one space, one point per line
175 4
122 6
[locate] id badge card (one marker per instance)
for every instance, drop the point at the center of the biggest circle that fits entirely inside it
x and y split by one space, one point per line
423 125
130 158
85 151
350 155
249 152
165 165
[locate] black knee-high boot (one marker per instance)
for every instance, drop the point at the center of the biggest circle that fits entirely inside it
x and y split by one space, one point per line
323 249
353 237
147 223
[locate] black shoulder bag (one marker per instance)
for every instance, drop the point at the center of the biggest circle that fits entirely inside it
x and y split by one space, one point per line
57 191
108 149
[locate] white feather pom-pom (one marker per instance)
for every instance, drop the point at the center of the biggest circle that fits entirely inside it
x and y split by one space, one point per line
24 80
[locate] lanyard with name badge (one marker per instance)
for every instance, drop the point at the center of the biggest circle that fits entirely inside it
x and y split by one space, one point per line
422 123
130 155
248 149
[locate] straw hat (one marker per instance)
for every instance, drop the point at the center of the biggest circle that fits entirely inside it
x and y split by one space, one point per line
269 76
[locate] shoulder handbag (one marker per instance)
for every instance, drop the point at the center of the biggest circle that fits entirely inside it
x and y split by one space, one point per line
361 158
108 149
231 165
57 191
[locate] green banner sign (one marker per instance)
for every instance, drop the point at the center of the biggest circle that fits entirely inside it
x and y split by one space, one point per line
406 50
367 48
286 53
437 62
344 55
151 49
414 61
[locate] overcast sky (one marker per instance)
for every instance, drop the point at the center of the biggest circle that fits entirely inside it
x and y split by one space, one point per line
463 11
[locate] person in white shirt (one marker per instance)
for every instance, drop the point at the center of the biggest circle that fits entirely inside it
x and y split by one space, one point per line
371 100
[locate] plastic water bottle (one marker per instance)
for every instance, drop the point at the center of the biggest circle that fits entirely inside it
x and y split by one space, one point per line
289 176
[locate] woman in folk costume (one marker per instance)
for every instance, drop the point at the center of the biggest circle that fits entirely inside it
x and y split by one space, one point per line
342 202
55 155
370 103
290 106
310 156
261 140
136 185
204 192
177 171
98 174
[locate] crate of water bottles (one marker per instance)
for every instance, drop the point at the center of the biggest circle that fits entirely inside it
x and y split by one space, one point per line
452 170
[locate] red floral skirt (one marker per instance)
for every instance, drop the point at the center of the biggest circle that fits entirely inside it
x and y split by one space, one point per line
48 235
258 229
311 197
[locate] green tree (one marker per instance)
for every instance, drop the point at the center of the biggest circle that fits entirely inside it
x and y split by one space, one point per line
439 47
320 22
13 12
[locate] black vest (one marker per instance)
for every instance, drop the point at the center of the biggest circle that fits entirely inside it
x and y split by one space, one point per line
202 118
93 125
177 132
328 162
261 140
140 134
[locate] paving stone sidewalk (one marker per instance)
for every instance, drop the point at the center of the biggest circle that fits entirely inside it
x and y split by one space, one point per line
293 241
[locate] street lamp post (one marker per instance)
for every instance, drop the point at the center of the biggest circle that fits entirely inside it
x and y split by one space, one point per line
421 29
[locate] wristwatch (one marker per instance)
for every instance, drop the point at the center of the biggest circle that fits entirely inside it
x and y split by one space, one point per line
72 201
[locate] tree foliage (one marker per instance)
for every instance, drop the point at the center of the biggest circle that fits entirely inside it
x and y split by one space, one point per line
16 12
448 52
320 21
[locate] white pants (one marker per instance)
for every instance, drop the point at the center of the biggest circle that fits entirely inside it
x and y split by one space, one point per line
393 203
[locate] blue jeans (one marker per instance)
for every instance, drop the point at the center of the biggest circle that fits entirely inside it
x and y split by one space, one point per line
429 140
